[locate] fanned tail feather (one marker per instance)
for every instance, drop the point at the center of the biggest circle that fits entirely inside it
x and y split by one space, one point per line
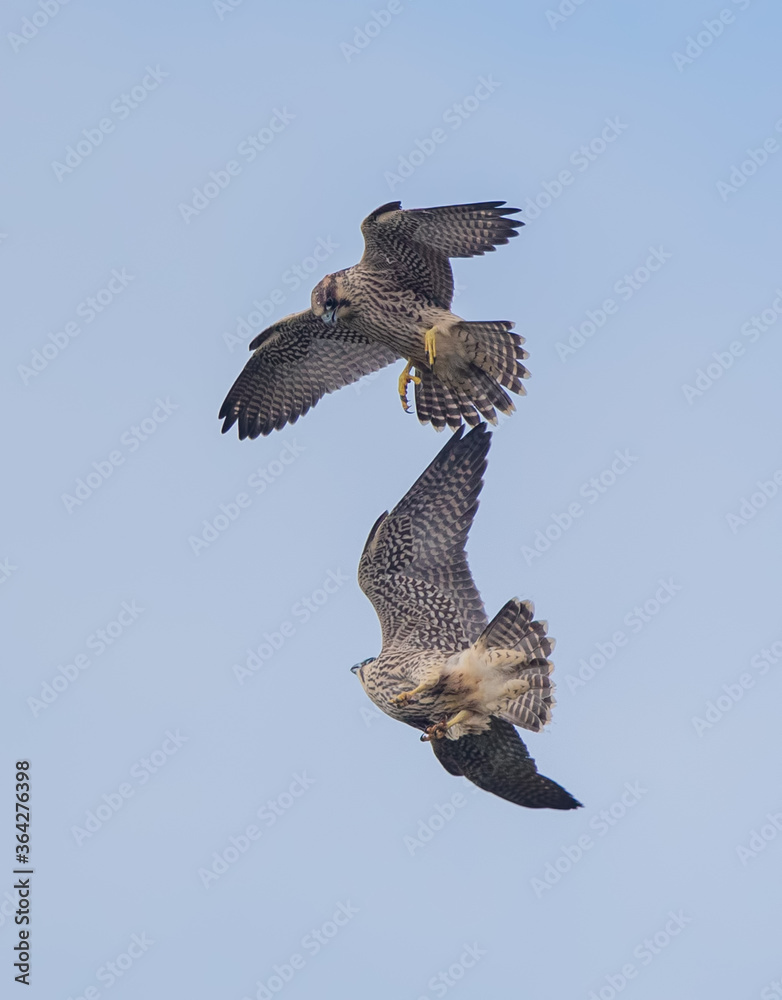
513 628
476 396
470 387
496 350
441 405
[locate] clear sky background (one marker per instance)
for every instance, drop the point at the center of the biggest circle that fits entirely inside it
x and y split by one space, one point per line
160 745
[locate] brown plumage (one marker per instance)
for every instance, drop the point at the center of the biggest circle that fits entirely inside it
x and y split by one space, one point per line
364 317
443 668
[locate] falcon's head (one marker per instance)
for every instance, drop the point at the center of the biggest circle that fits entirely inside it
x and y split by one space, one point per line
356 668
329 298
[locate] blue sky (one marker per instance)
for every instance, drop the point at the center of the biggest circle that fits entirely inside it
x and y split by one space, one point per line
221 160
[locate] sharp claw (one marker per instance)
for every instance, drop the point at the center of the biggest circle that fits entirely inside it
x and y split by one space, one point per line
404 380
440 729
435 732
404 696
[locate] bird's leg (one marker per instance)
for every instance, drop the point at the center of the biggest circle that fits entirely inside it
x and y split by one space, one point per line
425 685
439 729
430 344
404 380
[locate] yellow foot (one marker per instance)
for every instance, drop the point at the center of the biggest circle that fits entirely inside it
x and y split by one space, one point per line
404 380
439 729
405 696
430 344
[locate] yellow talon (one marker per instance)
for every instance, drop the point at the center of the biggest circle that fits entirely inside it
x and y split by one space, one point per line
404 380
430 344
405 696
459 717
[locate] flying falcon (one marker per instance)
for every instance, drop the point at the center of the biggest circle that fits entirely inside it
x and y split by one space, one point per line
444 668
395 303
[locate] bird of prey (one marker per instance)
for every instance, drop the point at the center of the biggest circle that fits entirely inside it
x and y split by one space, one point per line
444 668
395 303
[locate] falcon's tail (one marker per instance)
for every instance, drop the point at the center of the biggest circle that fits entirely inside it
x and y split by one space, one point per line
469 387
435 402
515 644
496 350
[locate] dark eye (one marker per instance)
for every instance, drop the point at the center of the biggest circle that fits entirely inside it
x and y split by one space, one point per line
330 303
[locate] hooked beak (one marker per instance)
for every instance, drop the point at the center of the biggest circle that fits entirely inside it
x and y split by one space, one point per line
329 316
355 668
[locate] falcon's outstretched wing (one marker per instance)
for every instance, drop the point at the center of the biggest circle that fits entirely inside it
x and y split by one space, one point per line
416 243
499 762
298 360
414 569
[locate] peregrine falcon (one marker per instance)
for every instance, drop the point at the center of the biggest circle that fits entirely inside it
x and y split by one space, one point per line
395 303
444 668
